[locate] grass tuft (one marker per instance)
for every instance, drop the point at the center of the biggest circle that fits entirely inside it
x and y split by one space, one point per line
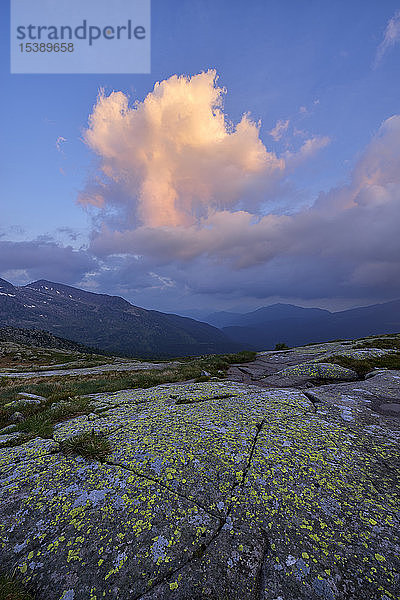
11 589
36 425
87 444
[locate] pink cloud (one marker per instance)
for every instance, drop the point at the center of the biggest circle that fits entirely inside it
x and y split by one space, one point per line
174 154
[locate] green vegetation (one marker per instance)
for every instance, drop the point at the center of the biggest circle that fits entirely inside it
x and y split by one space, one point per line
11 589
87 444
65 395
22 357
38 424
365 365
281 346
385 343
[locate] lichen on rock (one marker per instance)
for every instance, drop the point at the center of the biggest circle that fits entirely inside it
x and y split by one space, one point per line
237 492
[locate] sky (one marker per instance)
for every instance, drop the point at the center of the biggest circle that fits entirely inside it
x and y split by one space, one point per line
258 162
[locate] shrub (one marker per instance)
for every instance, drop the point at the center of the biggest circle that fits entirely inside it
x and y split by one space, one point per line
281 346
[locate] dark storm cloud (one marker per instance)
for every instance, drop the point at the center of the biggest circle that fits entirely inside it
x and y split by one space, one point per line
44 259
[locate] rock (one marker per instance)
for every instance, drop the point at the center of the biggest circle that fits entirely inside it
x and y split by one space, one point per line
375 372
361 354
22 402
33 396
8 429
237 492
304 373
121 366
17 417
266 363
205 374
9 437
370 402
62 404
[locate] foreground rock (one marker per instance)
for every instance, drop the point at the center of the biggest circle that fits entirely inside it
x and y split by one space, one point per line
212 491
304 374
367 402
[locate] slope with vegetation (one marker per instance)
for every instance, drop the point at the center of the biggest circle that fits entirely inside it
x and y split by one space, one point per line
107 323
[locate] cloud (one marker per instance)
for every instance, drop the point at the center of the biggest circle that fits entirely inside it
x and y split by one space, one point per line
346 244
44 259
279 130
175 155
161 282
70 233
307 150
182 205
390 38
60 140
175 158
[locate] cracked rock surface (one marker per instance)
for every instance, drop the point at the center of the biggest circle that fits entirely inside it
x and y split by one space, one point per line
299 367
213 491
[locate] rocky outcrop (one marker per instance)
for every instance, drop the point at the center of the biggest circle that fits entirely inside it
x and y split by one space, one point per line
115 366
300 366
216 490
306 373
364 401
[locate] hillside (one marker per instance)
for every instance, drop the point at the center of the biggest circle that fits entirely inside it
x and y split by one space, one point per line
39 339
295 325
107 323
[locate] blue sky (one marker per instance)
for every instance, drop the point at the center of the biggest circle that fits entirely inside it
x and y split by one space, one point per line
321 69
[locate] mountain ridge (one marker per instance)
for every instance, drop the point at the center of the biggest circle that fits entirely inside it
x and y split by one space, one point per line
306 326
108 323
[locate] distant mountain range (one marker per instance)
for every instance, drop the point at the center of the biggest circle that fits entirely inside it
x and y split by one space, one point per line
295 326
113 325
107 323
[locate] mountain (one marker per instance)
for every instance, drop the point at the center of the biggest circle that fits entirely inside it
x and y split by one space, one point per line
6 289
107 323
222 318
296 326
40 339
264 314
